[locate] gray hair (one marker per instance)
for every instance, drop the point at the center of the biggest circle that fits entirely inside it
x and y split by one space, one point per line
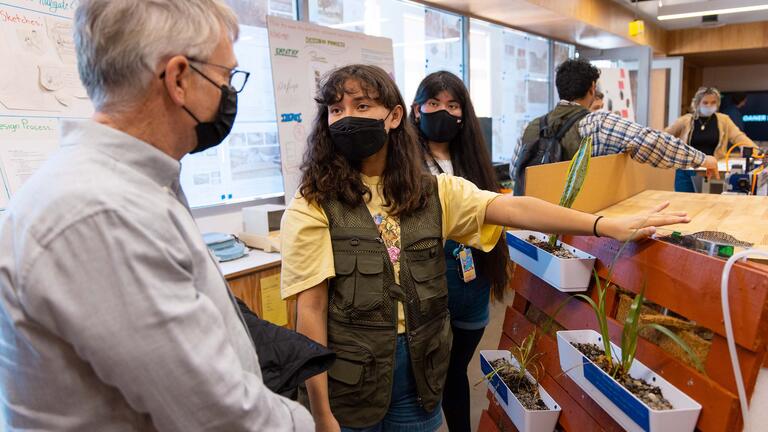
700 93
120 43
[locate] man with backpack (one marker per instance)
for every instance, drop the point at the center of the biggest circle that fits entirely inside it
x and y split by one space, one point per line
557 135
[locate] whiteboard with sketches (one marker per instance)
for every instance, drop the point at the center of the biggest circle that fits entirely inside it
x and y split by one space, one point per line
616 86
38 87
301 54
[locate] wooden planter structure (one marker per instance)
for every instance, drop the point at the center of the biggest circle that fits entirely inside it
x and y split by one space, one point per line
678 279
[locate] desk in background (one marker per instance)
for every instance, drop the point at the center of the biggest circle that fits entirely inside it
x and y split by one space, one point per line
245 277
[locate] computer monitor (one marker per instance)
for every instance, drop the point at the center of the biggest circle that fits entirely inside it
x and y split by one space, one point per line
754 113
486 127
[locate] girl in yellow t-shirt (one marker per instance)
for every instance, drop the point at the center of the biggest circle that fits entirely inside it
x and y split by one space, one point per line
362 154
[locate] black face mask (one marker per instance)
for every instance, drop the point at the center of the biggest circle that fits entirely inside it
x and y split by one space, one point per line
439 126
212 133
358 138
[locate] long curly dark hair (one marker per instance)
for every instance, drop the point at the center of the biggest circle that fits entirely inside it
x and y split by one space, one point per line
471 160
327 175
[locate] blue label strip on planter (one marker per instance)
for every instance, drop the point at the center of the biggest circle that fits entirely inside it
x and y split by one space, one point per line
622 398
523 246
496 382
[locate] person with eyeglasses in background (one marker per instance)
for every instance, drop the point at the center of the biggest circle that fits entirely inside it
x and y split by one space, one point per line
705 130
113 314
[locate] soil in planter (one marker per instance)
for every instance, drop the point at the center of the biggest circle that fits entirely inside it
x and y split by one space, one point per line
557 251
650 394
525 391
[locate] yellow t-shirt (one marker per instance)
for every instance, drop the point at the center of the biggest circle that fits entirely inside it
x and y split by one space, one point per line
306 240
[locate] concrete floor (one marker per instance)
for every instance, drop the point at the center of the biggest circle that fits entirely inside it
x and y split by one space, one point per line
758 415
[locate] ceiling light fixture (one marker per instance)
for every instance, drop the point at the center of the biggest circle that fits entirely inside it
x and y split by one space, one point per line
723 11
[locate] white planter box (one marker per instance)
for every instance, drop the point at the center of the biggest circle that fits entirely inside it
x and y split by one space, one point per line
570 275
624 407
525 420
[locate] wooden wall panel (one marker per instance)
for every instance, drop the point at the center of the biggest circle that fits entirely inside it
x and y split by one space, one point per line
731 37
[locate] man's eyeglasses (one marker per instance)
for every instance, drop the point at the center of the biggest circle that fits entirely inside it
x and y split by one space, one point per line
237 78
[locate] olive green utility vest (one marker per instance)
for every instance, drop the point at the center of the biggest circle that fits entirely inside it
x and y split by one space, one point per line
571 140
362 310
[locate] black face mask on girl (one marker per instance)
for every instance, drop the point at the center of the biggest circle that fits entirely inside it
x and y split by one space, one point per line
358 138
439 126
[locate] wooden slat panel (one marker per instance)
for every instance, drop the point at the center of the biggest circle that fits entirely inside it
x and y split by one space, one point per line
520 303
499 417
516 327
719 367
573 417
720 410
676 276
486 423
721 405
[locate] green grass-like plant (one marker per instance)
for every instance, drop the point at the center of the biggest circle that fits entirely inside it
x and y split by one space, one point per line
630 331
577 172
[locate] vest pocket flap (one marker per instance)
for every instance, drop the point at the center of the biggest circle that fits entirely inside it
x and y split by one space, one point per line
426 270
344 264
370 265
346 371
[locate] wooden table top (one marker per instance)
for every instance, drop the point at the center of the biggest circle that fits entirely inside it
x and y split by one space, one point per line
744 217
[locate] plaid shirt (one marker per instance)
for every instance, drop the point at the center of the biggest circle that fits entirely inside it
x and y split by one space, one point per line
612 134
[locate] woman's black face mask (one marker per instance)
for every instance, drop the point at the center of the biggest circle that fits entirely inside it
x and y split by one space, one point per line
439 126
358 138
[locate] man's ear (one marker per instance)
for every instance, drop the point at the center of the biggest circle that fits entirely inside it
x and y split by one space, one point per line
176 77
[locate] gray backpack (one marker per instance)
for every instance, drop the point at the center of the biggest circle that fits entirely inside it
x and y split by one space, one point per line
546 148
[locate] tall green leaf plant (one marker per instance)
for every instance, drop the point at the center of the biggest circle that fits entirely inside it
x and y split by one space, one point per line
577 172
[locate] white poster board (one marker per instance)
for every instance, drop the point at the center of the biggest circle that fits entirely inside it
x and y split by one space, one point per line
3 191
301 54
616 86
39 86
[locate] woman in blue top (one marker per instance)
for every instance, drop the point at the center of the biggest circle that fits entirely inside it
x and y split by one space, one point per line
452 143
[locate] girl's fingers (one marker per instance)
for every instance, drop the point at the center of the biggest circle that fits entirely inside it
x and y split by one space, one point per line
660 207
662 220
644 233
683 214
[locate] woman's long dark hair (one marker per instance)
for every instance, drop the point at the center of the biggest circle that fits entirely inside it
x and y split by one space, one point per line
327 175
470 160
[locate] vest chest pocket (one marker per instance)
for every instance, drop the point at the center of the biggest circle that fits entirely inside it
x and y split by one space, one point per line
344 282
430 283
359 281
369 286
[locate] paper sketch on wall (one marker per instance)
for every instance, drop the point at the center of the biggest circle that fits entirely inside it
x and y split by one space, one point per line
615 85
44 76
26 144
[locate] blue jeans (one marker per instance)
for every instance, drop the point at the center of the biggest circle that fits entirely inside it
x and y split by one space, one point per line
404 414
468 302
684 180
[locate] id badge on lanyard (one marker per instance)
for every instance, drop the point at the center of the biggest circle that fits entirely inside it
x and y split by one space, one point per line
466 263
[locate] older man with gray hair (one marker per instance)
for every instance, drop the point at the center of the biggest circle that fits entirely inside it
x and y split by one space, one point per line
113 315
